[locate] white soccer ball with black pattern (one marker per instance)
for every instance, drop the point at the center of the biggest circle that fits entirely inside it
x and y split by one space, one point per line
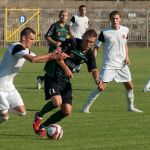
54 131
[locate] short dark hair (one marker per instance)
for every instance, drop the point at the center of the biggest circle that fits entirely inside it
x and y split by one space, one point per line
115 12
81 6
91 33
26 31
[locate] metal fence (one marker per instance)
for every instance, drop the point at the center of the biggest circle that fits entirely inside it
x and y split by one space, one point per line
138 21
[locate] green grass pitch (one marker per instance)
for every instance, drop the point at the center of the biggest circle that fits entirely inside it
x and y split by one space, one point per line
108 127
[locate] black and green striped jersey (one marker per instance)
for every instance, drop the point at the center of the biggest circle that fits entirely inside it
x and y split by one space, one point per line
57 33
77 56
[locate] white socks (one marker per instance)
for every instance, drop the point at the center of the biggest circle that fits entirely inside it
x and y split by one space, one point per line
147 87
148 84
130 100
92 97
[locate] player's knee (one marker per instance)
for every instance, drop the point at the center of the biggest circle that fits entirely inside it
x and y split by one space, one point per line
57 102
67 112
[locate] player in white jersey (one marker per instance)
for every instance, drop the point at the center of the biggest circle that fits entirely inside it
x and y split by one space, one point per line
12 62
115 61
147 87
79 23
78 26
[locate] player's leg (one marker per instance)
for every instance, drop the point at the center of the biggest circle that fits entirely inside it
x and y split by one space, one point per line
40 80
65 101
106 75
51 92
39 128
66 108
16 103
4 116
65 111
92 97
55 102
147 86
4 106
123 75
130 97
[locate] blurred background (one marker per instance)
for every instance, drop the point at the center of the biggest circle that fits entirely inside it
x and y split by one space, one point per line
40 14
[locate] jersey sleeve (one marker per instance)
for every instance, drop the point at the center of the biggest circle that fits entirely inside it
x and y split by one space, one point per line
91 63
72 21
50 31
19 51
100 39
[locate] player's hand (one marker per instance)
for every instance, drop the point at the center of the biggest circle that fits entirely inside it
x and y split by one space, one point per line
58 54
58 44
61 56
100 86
127 61
57 50
68 73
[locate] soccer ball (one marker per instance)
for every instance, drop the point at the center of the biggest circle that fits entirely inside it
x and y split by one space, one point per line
54 131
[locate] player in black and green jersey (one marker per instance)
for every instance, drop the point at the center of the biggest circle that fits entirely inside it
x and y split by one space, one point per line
57 84
55 36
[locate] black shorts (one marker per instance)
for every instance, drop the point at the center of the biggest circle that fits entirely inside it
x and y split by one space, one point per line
54 87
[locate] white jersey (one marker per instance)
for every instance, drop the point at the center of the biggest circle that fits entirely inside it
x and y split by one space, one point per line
11 64
79 25
114 42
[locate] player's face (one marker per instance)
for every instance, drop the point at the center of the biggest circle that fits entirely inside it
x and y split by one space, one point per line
88 42
64 17
115 21
82 11
29 40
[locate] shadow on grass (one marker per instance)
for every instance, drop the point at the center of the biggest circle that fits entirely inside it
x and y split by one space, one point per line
22 136
28 109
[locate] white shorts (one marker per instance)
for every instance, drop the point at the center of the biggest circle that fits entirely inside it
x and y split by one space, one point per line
119 75
10 99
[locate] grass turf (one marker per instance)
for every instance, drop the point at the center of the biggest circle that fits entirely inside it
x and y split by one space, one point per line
108 127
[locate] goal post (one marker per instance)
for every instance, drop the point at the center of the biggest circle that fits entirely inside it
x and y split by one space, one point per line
17 19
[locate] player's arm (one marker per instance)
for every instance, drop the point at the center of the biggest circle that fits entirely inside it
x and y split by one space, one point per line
91 64
48 36
95 50
56 55
72 21
95 74
99 83
70 31
127 60
66 69
98 43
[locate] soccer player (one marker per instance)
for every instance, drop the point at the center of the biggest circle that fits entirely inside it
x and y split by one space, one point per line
115 61
57 84
78 25
12 62
56 35
147 87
